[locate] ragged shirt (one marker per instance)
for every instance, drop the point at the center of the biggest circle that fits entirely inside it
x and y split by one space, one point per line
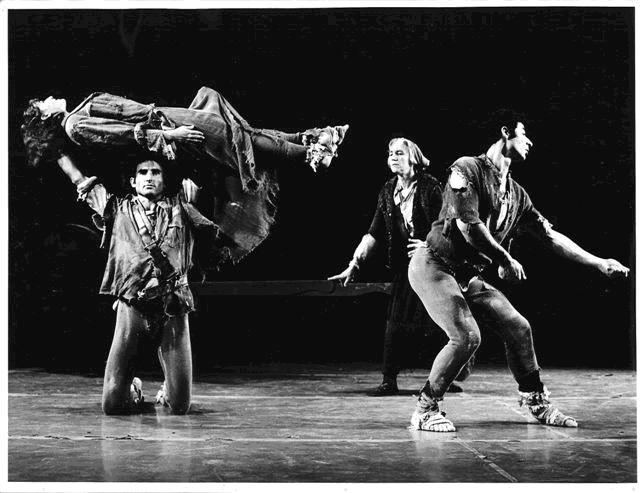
130 267
473 195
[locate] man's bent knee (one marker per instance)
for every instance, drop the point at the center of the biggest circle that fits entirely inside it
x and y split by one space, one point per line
473 340
115 400
181 408
467 340
520 329
180 405
113 406
179 400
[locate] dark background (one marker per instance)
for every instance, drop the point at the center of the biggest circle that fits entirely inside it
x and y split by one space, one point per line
432 75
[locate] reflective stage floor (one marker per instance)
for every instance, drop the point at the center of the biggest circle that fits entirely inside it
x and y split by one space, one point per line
294 423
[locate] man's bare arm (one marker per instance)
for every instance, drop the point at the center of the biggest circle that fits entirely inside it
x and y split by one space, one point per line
478 236
89 191
70 169
567 248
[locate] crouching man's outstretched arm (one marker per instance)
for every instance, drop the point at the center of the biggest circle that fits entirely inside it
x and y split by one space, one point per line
567 248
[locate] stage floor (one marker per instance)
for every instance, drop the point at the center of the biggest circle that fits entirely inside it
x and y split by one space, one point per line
294 423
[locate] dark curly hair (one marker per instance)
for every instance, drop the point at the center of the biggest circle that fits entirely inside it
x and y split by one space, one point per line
44 139
504 117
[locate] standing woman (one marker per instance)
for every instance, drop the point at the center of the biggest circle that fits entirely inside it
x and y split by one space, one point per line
210 129
407 205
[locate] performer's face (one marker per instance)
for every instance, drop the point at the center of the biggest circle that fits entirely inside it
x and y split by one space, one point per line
51 106
518 144
149 180
398 159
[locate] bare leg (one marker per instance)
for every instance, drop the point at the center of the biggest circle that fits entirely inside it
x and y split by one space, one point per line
116 395
175 357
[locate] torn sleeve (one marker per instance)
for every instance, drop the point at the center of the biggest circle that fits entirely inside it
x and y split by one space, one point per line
461 198
532 221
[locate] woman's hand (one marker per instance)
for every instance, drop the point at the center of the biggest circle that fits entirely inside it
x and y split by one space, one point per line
414 245
184 134
347 275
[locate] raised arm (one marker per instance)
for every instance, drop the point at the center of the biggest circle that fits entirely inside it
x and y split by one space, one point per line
88 188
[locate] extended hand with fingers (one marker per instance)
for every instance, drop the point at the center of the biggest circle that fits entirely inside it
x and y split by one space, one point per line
347 275
612 268
185 134
511 270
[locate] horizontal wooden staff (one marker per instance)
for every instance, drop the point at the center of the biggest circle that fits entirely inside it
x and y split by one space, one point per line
288 288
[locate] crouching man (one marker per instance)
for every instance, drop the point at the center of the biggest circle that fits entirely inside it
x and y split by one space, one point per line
483 206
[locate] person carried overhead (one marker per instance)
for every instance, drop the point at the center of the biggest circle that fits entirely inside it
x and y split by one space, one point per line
243 158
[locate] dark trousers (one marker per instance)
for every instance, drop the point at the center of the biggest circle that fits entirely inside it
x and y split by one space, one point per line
406 320
458 313
395 339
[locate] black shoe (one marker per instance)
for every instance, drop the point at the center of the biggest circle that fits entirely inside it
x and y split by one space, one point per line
385 388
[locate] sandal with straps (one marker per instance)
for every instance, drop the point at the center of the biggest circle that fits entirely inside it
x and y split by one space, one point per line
431 421
545 412
427 415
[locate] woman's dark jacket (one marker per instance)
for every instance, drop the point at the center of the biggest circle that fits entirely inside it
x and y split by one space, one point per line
426 207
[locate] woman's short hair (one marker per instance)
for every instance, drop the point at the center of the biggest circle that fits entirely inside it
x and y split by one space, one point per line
44 138
416 158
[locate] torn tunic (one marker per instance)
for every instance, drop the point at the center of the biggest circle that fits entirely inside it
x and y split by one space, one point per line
472 194
130 267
